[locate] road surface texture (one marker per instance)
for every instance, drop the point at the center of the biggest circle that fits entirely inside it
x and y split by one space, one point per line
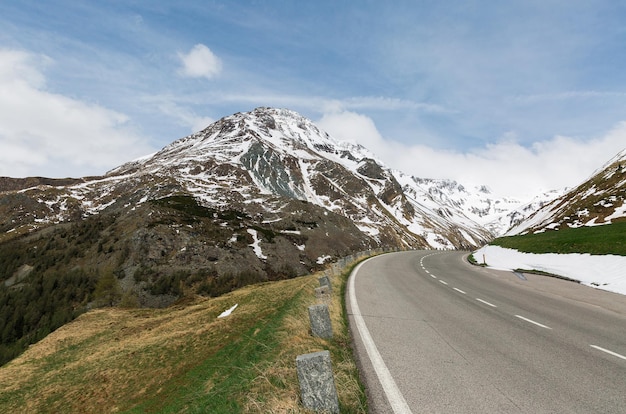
434 334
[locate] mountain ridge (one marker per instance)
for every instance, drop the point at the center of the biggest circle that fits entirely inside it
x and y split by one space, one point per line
599 200
276 166
276 149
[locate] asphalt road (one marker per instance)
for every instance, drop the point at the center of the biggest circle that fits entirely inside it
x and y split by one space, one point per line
434 334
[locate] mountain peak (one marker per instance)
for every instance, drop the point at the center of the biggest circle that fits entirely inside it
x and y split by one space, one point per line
260 161
283 130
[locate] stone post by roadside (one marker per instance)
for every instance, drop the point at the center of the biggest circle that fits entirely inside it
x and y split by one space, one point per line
317 385
325 281
319 317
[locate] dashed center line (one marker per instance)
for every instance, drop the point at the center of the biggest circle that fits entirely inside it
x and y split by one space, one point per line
486 303
615 354
533 322
599 348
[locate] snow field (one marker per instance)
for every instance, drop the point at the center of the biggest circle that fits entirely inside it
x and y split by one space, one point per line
607 272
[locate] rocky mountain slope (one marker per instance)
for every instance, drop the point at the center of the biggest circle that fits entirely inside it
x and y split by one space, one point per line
495 214
255 196
597 201
256 163
260 159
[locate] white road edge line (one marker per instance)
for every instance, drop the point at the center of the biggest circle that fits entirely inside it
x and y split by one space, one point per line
443 281
533 322
615 354
486 303
460 291
394 396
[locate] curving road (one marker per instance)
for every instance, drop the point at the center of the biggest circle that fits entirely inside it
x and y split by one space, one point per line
434 334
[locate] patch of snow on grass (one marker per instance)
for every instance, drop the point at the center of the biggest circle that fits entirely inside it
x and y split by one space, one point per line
592 223
600 271
228 311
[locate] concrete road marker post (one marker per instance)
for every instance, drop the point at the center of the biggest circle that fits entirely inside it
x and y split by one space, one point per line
317 384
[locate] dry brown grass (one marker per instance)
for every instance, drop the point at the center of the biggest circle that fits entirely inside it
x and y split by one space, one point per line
90 363
111 360
276 388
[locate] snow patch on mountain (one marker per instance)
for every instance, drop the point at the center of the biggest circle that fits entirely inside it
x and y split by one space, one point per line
256 247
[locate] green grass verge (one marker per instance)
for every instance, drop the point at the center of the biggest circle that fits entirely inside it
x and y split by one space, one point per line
607 239
184 359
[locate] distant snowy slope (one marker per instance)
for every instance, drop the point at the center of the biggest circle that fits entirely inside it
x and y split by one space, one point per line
477 203
258 162
598 201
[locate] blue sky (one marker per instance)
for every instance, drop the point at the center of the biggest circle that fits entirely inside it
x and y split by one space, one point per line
520 95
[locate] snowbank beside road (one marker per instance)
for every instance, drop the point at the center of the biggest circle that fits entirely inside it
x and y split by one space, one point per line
607 272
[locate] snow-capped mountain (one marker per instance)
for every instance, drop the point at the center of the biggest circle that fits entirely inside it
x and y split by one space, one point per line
477 202
521 211
597 201
254 196
257 161
262 195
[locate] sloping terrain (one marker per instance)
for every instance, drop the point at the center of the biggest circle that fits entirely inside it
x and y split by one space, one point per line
255 196
597 201
579 235
184 358
264 191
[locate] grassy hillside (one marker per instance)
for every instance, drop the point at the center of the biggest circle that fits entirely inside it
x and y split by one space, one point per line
151 256
607 239
183 358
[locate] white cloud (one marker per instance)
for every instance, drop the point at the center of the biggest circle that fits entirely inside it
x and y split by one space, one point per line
20 67
355 128
506 166
200 62
565 96
43 133
381 103
178 109
200 123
